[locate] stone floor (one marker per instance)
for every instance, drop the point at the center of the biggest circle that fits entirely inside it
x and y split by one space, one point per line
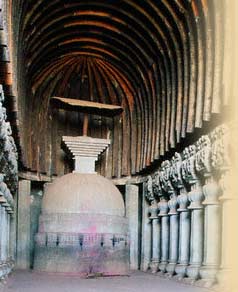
22 281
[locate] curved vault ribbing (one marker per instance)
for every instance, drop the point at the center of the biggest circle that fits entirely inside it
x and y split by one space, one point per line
160 60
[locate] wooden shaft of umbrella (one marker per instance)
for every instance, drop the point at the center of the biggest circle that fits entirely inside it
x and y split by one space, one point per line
85 124
86 107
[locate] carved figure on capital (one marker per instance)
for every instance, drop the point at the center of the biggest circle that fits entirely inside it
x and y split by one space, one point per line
165 177
1 94
156 187
5 130
188 165
168 187
4 191
149 190
221 160
2 184
221 148
203 155
176 171
177 181
153 209
3 115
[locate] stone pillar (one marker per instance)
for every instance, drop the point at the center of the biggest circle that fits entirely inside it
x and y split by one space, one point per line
212 233
13 235
155 223
195 197
146 235
224 163
0 232
174 235
163 207
184 234
23 227
229 208
184 215
4 235
197 232
1 235
132 203
3 259
8 235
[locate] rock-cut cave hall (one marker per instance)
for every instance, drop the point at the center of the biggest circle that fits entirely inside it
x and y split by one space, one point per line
116 120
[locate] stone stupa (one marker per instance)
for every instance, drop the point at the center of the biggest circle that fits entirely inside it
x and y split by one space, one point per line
82 227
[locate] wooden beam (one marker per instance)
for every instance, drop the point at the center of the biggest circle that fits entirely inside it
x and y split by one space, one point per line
28 175
85 106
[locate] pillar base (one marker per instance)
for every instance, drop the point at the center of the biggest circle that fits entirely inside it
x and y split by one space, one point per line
181 271
170 268
206 283
208 276
193 272
145 265
5 269
224 279
154 266
162 266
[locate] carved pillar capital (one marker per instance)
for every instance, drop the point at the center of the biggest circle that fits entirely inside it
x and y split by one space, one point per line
189 174
153 210
188 170
149 190
203 165
163 206
221 149
183 201
178 183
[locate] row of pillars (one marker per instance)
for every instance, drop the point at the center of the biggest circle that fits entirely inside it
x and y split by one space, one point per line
185 214
7 235
189 203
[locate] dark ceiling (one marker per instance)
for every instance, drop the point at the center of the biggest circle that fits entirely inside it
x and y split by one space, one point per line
154 58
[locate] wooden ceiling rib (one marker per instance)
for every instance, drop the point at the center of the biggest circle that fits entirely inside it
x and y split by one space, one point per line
159 60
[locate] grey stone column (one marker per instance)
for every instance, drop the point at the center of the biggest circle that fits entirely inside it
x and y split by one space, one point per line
0 231
132 202
13 235
184 234
8 235
197 231
155 223
229 208
174 235
1 234
146 251
212 233
23 227
3 259
223 162
163 207
4 235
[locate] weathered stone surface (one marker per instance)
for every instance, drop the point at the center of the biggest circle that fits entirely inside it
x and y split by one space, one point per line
132 203
23 238
82 227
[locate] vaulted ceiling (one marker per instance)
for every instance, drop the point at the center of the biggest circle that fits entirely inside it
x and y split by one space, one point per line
159 60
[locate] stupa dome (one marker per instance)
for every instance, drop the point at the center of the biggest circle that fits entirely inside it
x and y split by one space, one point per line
83 193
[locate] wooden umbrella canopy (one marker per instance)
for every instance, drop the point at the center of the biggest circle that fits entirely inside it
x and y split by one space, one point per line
86 107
